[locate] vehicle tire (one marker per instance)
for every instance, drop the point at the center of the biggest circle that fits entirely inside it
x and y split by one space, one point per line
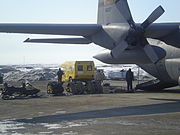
55 88
90 87
5 97
49 89
98 87
72 87
80 87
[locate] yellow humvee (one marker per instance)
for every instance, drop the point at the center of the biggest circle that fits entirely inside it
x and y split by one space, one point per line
78 71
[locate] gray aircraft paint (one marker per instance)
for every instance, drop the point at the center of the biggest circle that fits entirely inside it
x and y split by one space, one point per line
109 11
114 19
167 69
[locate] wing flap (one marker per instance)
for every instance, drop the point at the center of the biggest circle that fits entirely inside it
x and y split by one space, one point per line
60 40
53 29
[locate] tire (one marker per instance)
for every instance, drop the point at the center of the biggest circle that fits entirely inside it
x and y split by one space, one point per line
5 97
72 87
98 87
90 87
80 87
49 89
55 88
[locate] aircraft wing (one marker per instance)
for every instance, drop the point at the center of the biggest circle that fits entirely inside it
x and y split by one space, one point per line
53 29
167 32
60 40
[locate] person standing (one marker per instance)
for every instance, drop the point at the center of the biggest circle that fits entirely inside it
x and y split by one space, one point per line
129 79
59 74
1 78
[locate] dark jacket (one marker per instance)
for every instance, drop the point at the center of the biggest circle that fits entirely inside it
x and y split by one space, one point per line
129 76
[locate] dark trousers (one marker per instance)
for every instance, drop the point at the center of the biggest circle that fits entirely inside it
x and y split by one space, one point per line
59 79
1 80
129 85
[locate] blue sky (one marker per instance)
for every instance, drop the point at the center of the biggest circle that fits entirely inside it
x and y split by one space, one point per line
14 51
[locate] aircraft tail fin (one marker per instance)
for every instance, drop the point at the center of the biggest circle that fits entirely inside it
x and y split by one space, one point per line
113 11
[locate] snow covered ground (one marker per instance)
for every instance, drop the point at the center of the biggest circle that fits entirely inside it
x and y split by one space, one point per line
38 72
119 71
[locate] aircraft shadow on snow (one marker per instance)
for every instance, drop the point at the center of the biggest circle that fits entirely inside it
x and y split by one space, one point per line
170 107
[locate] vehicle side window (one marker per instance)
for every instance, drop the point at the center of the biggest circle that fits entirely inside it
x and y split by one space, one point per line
80 68
89 68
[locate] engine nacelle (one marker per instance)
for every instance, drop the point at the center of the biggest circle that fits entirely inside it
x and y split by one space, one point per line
134 56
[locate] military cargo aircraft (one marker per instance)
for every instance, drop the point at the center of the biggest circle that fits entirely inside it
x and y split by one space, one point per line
152 46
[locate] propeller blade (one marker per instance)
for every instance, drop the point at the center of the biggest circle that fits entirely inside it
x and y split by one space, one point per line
125 12
119 49
151 53
153 17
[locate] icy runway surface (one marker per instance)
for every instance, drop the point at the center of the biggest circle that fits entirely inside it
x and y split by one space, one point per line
126 114
18 128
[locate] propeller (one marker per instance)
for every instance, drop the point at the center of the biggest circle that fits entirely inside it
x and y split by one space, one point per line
153 17
135 36
119 48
